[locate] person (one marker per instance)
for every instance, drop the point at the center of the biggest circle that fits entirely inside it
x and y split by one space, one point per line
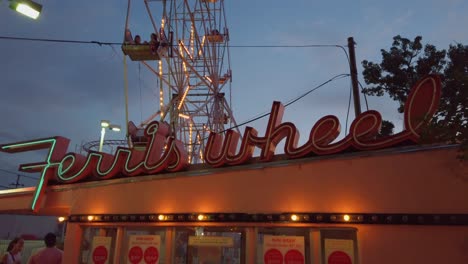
49 255
128 37
13 254
154 43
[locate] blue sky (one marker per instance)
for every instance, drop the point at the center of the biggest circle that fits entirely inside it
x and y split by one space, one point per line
50 89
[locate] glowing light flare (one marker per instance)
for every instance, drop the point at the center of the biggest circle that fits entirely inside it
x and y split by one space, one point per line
90 218
201 217
294 217
61 219
161 217
346 217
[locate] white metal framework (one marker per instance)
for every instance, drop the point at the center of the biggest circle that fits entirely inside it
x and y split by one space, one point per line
189 54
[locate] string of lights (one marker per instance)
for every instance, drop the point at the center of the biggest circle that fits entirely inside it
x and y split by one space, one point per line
281 218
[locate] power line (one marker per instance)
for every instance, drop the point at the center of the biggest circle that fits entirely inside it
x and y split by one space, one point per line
100 43
336 77
22 175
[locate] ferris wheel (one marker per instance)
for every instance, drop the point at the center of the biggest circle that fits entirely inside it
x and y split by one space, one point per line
188 52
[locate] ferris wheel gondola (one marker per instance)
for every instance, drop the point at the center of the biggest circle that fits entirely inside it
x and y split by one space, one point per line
189 54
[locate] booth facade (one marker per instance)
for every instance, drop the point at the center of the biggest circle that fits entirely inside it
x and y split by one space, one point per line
403 205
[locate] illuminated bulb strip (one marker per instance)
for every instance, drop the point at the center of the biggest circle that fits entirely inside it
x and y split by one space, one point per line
201 48
192 38
201 150
190 143
161 90
184 116
282 218
183 97
201 155
208 78
182 46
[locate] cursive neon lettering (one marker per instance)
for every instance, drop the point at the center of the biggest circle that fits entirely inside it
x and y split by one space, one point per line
165 153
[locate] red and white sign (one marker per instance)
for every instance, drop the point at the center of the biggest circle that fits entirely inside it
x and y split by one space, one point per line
283 249
339 251
100 250
143 249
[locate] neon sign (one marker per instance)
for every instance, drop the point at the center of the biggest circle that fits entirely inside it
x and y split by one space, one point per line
165 153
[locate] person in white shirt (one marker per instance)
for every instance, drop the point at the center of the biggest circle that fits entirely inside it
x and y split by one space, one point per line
13 254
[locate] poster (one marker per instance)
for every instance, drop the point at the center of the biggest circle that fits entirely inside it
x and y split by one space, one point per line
209 248
339 251
100 250
143 249
283 249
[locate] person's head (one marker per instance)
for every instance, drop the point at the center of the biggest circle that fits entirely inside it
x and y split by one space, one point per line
16 245
137 39
50 240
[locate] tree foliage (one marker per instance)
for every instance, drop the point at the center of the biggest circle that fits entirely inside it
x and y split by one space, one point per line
405 63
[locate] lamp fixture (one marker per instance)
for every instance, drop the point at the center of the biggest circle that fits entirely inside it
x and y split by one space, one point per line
28 8
115 128
106 124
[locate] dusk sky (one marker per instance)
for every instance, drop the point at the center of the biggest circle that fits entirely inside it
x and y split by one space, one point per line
51 89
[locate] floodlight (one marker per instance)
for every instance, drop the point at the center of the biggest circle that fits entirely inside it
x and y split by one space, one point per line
26 7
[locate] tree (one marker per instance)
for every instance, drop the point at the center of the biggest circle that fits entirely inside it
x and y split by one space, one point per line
405 63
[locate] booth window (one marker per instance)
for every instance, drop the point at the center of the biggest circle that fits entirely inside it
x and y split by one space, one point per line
283 245
144 245
98 245
220 245
339 245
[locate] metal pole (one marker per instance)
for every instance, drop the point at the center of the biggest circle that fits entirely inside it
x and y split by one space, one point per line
354 79
101 142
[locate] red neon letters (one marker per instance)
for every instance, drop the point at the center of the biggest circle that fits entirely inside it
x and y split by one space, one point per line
165 153
421 105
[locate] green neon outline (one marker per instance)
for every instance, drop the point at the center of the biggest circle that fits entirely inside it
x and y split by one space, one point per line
37 192
25 144
61 171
